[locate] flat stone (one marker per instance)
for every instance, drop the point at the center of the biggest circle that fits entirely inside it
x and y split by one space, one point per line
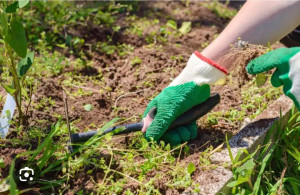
254 133
215 179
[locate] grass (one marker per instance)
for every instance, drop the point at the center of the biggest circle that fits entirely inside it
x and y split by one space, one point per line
120 165
274 168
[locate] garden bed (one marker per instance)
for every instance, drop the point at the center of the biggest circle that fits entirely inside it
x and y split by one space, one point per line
115 74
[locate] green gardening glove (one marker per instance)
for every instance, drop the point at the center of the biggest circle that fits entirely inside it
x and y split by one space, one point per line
190 88
287 64
171 103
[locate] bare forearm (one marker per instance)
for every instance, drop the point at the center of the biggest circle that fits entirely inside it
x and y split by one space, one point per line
258 22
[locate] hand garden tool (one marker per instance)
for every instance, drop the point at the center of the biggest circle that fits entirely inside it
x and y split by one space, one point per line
186 118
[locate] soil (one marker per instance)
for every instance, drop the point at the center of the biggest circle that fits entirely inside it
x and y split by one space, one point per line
132 86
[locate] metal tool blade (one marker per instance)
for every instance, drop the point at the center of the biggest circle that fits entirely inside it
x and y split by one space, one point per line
65 99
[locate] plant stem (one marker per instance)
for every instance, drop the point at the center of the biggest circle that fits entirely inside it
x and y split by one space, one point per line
10 61
30 99
17 84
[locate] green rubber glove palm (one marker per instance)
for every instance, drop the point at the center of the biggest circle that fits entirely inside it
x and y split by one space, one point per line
171 103
287 64
188 89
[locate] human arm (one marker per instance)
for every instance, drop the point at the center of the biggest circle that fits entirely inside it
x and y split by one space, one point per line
258 22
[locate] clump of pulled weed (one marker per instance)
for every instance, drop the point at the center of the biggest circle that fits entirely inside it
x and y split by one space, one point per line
241 53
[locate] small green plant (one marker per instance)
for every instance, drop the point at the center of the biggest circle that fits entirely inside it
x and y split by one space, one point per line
274 167
122 49
220 9
136 61
88 107
17 59
185 28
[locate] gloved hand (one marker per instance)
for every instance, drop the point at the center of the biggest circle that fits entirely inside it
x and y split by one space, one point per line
190 88
287 62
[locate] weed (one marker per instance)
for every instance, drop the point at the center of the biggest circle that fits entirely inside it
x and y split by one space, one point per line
140 26
118 165
220 9
88 107
49 64
274 167
121 49
45 103
135 61
254 100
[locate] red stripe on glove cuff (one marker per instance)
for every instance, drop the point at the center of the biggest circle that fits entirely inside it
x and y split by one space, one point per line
214 64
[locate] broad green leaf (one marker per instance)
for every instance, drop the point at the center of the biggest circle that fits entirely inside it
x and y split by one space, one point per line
186 27
63 45
244 173
190 168
168 147
8 114
4 24
172 24
25 64
88 107
12 7
16 38
249 165
2 41
233 184
89 171
23 3
2 164
260 79
162 144
9 89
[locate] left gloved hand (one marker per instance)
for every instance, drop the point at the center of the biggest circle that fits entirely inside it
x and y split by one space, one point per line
287 62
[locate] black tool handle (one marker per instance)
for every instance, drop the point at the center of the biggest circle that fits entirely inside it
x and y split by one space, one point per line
197 111
186 118
81 137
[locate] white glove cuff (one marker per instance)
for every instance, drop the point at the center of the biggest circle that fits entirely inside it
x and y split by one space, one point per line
201 70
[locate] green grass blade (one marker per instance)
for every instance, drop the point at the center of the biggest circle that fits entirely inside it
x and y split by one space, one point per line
263 166
46 142
229 150
13 186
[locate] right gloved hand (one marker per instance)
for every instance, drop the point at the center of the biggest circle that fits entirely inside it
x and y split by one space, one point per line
190 88
287 64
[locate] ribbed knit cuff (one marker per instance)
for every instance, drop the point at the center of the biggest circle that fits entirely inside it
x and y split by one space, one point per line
200 70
